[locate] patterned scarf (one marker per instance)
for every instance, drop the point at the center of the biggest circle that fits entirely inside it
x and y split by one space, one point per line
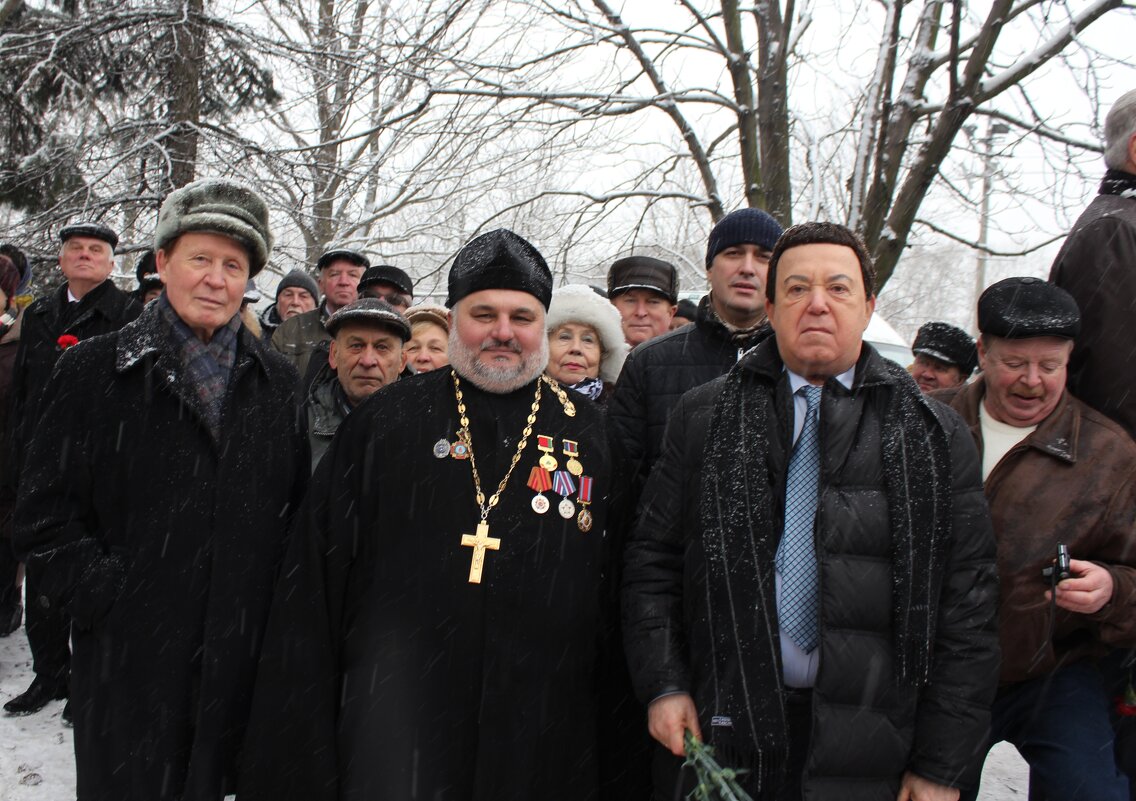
1119 182
740 539
207 366
592 387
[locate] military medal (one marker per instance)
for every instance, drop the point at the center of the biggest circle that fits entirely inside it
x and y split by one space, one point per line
571 450
442 448
562 484
584 519
459 450
543 443
539 482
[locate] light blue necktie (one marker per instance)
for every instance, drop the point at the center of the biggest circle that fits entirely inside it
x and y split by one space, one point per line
796 554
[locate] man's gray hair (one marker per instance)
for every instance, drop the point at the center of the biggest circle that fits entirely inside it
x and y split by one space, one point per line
1119 128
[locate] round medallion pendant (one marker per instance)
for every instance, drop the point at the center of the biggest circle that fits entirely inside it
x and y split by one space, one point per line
442 448
575 468
584 520
540 504
548 462
567 509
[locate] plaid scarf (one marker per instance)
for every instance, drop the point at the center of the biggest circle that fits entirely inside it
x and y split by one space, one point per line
207 366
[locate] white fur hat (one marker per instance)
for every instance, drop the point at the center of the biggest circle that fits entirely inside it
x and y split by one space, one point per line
578 303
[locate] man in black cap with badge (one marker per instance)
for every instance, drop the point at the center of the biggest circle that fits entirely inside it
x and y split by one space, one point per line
436 626
1056 473
365 356
339 271
87 305
944 356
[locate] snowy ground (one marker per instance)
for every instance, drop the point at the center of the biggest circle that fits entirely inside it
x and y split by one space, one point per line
36 759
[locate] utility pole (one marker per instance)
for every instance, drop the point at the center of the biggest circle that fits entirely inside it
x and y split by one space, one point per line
993 131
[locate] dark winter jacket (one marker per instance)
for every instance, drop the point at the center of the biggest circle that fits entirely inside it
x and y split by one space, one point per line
1097 266
1073 480
270 321
387 674
163 544
9 345
104 309
655 376
326 409
868 727
297 337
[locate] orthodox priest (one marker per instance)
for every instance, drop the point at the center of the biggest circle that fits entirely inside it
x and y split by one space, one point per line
437 624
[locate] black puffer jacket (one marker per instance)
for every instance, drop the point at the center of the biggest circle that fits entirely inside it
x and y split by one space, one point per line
655 376
867 728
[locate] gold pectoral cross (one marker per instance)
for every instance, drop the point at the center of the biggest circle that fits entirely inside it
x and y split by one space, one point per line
480 543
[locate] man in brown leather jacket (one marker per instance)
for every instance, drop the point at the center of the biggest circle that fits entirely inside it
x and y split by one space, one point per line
1054 471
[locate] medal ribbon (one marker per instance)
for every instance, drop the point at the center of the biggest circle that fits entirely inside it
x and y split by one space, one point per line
585 489
539 480
570 448
563 483
544 443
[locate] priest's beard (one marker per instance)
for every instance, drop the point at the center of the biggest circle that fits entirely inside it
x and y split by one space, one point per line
492 378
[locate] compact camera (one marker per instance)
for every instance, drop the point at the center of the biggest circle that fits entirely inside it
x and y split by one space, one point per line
1060 569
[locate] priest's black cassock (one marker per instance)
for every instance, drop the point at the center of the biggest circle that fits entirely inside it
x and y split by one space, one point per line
386 674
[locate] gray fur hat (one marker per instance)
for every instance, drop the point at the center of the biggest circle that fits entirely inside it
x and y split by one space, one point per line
218 206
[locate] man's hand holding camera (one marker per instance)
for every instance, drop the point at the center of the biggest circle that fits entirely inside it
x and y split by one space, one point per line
1087 591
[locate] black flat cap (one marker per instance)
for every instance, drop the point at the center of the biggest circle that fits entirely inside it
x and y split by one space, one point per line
390 274
353 256
90 229
1018 308
947 343
643 272
371 311
146 271
499 260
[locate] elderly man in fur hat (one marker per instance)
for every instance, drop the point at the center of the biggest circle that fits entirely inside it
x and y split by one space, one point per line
168 589
435 630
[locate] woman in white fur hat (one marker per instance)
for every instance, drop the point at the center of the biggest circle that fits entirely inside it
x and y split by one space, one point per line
586 347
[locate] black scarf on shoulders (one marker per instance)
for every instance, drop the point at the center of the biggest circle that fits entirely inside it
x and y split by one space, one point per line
737 514
1119 182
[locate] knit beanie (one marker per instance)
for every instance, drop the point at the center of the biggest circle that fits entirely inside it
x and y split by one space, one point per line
499 260
218 206
301 280
744 226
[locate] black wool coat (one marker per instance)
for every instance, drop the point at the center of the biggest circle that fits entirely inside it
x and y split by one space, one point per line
867 728
104 309
386 674
164 545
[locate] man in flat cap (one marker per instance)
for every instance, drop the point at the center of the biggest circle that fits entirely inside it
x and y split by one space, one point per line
367 339
389 283
340 271
944 356
296 293
168 589
1055 472
88 304
645 292
436 625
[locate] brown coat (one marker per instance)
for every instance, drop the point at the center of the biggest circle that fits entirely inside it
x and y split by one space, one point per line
1073 480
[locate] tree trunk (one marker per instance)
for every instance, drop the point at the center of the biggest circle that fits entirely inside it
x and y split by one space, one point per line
183 113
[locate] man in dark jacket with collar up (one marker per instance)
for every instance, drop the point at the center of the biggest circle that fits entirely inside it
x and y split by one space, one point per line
810 587
87 305
731 319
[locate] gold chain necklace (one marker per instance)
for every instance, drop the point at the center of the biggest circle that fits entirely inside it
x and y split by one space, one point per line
481 541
